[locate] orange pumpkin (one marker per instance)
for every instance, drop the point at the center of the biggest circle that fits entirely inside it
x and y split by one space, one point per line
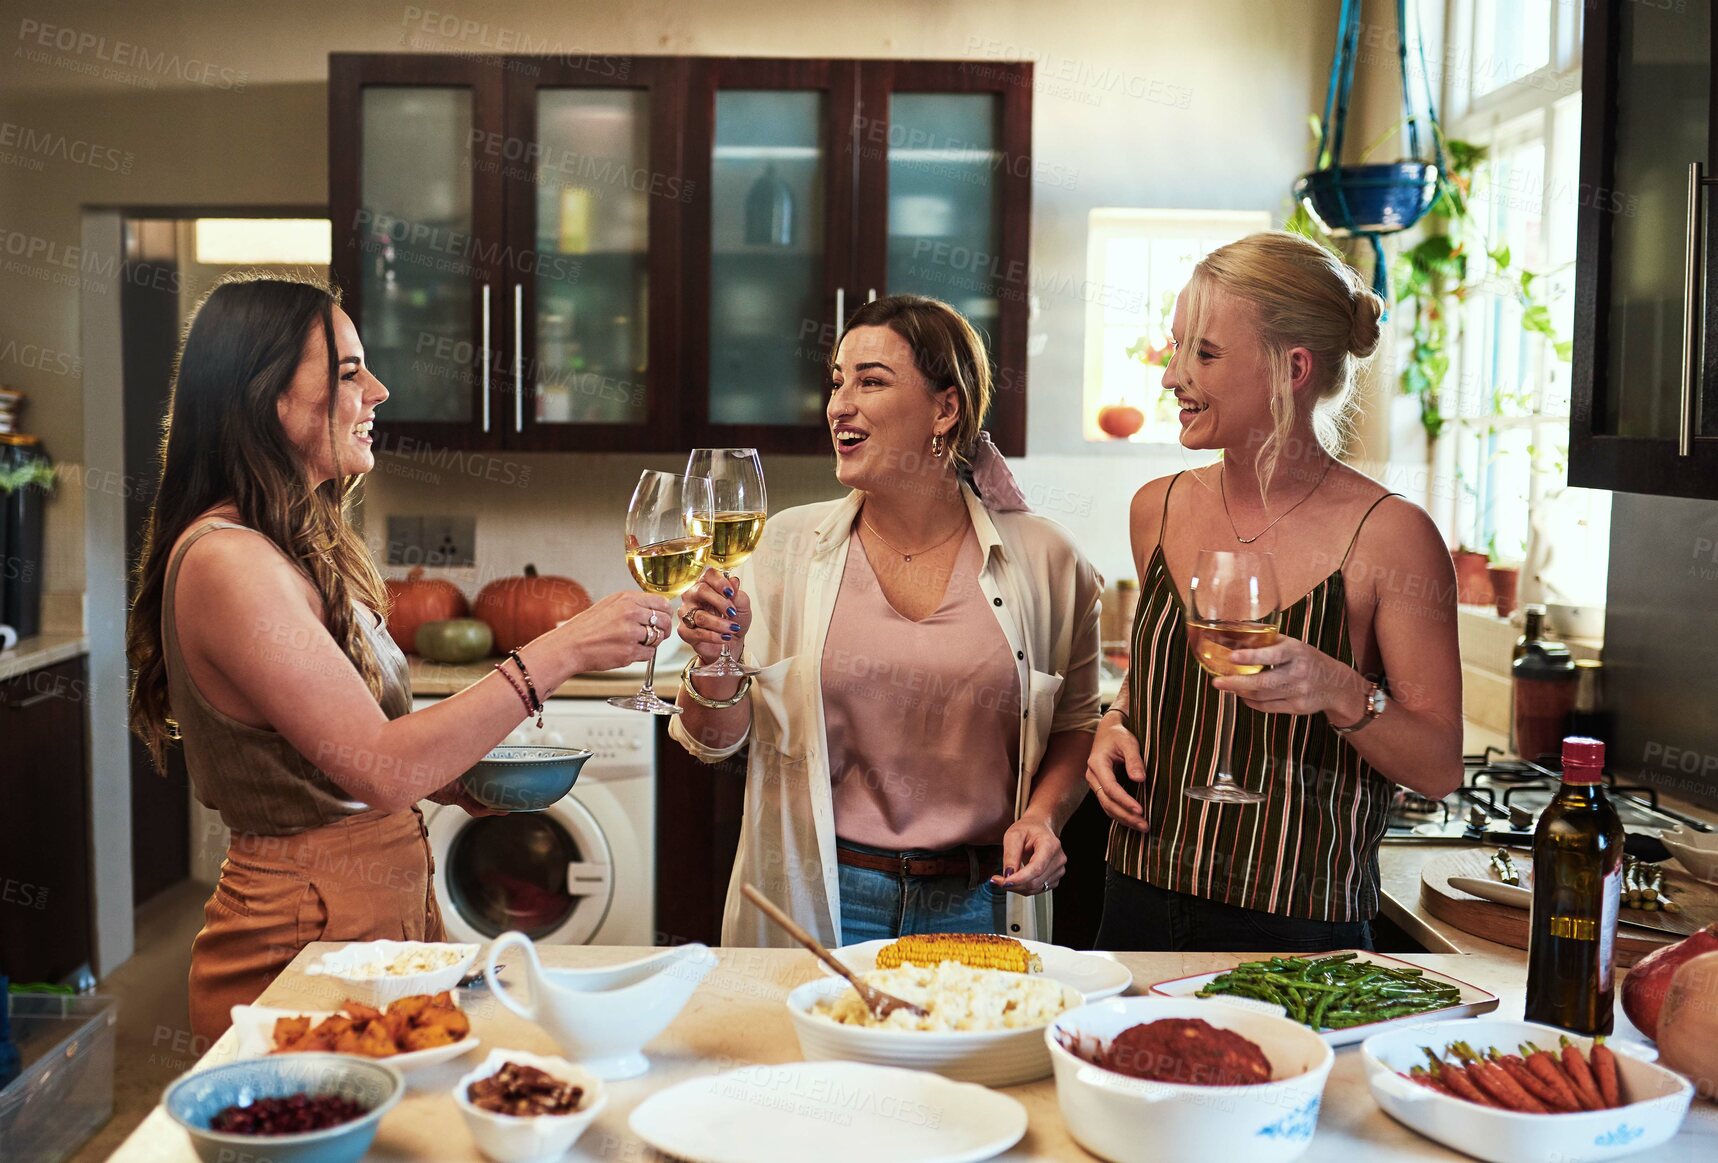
419 599
518 609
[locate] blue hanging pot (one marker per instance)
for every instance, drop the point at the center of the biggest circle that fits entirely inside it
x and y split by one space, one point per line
1369 201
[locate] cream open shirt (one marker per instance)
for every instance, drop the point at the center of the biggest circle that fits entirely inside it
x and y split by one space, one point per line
1045 595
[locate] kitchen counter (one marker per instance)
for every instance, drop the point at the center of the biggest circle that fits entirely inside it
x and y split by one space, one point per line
736 1017
41 650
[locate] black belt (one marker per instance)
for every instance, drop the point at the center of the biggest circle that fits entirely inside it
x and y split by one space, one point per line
985 859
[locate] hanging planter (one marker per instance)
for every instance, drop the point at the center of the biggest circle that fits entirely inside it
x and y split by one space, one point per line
1371 200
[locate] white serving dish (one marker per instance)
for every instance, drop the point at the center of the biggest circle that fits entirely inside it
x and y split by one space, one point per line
379 991
1474 1000
1658 1097
987 1057
529 1138
253 1028
1095 975
1132 1120
831 1112
1696 851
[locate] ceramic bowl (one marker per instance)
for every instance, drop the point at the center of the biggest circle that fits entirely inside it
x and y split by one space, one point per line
1656 1098
1131 1120
517 778
987 1057
529 1139
379 991
1698 851
194 1099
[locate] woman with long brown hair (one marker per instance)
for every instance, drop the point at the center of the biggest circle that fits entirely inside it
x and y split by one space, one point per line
257 642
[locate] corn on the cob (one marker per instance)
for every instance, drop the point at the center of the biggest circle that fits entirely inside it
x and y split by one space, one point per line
978 950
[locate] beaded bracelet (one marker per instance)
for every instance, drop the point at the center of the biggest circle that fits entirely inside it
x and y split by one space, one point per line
530 687
520 691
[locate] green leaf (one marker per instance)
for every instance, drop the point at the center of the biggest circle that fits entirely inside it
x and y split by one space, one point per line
30 472
1500 256
1565 349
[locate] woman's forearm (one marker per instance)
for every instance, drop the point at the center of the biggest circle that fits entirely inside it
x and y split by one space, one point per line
1060 784
1419 749
716 728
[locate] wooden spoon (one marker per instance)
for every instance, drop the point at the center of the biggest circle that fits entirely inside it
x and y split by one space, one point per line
879 1003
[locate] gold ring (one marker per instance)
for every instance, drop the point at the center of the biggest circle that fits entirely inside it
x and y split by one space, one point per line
690 618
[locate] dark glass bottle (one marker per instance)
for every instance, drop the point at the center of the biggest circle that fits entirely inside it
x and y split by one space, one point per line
1532 628
1577 890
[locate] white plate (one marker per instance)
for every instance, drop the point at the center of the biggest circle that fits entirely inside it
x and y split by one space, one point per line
254 1029
1096 975
379 991
832 1112
1474 1000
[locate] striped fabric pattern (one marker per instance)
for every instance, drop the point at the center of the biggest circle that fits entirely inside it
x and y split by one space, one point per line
1311 849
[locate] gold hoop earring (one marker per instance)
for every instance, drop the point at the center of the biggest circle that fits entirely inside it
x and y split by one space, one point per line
938 445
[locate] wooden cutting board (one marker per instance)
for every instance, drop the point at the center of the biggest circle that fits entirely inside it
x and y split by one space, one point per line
1509 926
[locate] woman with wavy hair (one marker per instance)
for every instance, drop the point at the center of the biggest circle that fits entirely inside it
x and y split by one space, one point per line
918 731
257 642
1362 691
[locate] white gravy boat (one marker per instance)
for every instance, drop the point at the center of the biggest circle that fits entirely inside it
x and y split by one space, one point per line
603 1017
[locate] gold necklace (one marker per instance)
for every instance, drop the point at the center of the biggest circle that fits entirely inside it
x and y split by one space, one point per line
866 521
1224 493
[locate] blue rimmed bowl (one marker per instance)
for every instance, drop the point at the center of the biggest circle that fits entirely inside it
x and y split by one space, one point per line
193 1100
520 778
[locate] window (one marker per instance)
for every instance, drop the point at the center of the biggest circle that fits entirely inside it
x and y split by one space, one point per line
1514 77
1137 261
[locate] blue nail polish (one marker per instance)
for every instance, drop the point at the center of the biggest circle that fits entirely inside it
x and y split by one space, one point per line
727 638
731 613
734 626
728 593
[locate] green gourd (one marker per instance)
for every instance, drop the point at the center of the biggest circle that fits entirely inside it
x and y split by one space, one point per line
455 640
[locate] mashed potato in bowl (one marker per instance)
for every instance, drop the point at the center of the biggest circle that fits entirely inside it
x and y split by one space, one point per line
956 997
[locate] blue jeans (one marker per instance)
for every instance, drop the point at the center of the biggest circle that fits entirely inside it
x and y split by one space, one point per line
1140 917
884 905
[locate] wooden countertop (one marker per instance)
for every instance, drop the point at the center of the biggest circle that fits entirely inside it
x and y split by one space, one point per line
736 1017
41 650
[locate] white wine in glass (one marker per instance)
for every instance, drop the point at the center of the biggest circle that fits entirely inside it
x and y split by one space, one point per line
666 554
734 525
1233 607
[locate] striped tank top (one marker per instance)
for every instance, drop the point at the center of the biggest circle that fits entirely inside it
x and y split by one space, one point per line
1311 848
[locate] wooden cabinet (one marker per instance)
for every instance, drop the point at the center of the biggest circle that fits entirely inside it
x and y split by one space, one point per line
1644 414
45 902
698 811
653 253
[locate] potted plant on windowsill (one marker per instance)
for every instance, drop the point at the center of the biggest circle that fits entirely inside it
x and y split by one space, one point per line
1505 578
1473 584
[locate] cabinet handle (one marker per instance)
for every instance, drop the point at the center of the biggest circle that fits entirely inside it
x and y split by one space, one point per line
840 309
1693 327
24 704
485 357
872 296
518 357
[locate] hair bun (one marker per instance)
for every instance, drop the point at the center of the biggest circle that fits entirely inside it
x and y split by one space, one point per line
1365 311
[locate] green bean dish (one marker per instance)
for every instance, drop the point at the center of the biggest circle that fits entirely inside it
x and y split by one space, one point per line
1335 992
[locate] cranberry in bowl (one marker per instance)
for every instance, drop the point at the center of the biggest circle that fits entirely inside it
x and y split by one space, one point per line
298 1108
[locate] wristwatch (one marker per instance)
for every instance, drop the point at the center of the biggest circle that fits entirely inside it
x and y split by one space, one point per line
1376 701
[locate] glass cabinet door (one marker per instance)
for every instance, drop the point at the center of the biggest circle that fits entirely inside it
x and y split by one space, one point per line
593 194
416 221
945 176
772 231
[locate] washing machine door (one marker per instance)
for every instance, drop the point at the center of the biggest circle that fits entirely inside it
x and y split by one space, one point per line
547 874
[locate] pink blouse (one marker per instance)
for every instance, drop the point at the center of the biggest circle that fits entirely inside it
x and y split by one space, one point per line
923 718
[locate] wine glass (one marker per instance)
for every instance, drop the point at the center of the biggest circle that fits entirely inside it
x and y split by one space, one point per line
735 526
1234 607
666 554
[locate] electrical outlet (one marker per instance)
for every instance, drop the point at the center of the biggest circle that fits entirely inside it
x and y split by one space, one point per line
435 541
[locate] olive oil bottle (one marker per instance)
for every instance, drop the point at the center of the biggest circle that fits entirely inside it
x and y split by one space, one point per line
1577 890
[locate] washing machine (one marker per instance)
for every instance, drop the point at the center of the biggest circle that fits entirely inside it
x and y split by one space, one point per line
582 872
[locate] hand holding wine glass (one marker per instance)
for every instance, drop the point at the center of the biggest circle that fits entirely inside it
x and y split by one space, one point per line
1234 606
666 553
735 525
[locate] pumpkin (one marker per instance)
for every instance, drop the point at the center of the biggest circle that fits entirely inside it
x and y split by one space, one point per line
519 609
454 640
418 599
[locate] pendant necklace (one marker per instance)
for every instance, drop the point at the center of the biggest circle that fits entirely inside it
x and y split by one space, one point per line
1223 492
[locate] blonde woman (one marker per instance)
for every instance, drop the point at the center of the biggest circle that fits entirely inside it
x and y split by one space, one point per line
257 644
929 650
1363 690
